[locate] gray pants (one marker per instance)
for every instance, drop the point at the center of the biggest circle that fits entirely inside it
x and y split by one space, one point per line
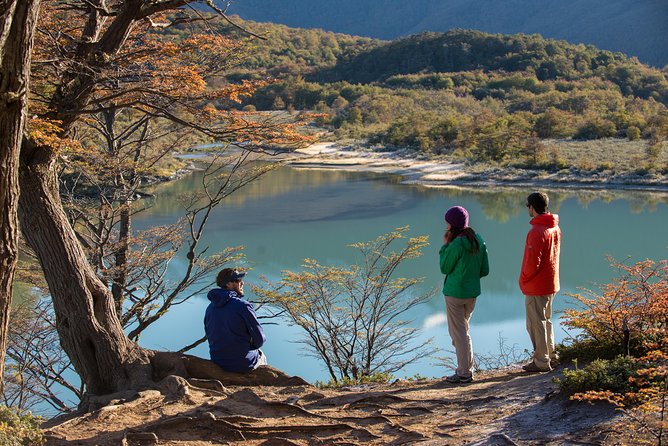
539 327
459 313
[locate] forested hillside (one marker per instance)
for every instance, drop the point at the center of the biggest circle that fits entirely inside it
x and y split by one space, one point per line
283 50
473 95
636 28
463 50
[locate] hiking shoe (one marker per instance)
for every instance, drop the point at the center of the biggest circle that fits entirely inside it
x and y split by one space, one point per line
554 363
456 379
533 368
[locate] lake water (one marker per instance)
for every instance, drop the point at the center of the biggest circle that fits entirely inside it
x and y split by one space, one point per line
290 214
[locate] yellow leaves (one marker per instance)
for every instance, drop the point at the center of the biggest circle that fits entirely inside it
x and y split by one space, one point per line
412 249
171 79
352 315
596 395
46 133
182 67
169 49
210 113
235 92
317 282
180 81
212 45
637 301
251 129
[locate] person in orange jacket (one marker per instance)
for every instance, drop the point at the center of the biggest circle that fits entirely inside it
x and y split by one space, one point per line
539 280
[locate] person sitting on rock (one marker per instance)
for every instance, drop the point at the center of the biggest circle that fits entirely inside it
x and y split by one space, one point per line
235 335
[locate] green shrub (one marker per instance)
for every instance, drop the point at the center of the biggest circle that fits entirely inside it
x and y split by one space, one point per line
585 350
596 129
555 162
600 374
633 133
18 430
653 151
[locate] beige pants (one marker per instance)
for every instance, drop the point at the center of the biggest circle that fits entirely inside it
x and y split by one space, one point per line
539 327
459 313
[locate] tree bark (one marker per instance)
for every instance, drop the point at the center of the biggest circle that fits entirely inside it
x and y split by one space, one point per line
121 257
89 329
17 26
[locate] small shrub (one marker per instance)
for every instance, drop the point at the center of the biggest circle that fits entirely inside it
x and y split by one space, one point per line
556 162
653 151
535 150
586 350
629 312
586 165
552 124
417 377
601 374
633 133
18 430
352 315
596 129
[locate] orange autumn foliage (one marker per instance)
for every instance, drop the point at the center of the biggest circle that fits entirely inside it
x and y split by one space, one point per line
156 73
637 301
47 132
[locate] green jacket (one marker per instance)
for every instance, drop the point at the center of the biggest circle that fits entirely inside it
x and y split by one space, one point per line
462 269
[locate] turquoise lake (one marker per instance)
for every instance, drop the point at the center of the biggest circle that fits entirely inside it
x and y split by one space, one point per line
291 214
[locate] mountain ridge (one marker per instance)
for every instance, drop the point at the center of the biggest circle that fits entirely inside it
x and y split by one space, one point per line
633 28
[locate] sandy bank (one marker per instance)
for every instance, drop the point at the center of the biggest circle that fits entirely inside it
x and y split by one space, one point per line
441 173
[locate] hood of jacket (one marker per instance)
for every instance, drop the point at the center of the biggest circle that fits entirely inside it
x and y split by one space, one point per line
220 297
546 219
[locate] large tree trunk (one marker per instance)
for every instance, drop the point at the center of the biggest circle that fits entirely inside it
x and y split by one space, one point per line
17 26
90 331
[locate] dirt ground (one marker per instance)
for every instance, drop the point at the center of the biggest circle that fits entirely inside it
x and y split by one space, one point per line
506 407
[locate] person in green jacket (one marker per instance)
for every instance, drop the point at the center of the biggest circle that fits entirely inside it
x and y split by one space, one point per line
464 261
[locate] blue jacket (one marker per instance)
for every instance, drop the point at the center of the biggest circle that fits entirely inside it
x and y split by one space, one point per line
235 335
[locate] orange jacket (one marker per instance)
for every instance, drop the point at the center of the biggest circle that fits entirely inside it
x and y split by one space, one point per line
540 265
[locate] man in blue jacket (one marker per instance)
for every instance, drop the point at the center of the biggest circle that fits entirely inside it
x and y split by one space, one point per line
235 335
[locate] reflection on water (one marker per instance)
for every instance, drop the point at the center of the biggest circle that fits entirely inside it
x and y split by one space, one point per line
501 204
289 215
280 184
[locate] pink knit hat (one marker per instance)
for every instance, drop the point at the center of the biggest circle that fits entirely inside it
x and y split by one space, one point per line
458 217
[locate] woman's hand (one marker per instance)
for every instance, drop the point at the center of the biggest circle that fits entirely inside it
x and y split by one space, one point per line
447 237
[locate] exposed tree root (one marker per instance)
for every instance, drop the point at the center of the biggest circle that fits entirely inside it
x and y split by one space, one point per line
188 413
188 366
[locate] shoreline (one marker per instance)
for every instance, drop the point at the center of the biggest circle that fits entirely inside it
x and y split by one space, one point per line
445 174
